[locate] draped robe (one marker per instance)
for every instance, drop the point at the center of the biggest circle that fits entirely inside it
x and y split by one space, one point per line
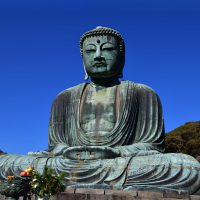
138 134
140 120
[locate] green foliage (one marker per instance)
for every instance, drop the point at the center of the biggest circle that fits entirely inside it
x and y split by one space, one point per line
15 187
184 139
47 183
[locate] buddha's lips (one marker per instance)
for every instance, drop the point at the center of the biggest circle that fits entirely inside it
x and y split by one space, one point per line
99 64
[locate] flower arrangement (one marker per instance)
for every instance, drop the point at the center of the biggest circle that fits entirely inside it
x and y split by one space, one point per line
14 187
32 182
47 184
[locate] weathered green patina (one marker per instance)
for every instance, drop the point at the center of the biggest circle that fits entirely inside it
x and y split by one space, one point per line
107 132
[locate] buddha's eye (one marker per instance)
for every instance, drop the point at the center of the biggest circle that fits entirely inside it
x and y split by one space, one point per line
108 47
90 50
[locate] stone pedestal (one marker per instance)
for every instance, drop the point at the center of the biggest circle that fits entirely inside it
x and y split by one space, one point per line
100 194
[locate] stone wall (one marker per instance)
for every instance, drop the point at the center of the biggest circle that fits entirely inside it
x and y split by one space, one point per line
100 194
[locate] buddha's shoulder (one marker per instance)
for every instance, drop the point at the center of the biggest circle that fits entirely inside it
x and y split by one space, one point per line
69 91
139 87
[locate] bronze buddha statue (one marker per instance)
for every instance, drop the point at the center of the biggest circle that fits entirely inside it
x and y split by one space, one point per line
108 132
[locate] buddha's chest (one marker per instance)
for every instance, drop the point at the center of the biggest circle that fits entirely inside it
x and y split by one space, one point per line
98 109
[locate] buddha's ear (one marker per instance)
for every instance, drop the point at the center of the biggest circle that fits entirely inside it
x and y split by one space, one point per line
86 74
121 75
122 63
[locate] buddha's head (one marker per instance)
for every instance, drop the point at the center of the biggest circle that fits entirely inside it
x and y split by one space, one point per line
103 53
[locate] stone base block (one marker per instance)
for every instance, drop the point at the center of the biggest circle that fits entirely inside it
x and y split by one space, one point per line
101 194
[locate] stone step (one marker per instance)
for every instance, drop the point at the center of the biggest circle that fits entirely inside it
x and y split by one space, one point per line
101 194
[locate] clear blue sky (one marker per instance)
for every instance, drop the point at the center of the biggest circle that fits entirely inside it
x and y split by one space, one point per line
39 57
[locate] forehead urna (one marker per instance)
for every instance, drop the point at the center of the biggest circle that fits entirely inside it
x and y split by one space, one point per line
101 41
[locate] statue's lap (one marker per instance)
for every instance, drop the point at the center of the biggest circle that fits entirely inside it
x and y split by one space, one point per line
159 170
163 171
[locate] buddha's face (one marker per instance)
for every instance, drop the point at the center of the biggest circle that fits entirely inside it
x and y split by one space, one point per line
101 56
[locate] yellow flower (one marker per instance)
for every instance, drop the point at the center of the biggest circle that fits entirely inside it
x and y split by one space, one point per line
10 178
30 169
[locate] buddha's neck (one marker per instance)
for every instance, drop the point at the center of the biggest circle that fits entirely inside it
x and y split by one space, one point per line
105 82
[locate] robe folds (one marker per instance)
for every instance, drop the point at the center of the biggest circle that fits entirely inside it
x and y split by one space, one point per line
140 120
138 134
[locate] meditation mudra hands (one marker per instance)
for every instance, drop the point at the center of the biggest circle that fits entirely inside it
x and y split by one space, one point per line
90 153
95 152
80 152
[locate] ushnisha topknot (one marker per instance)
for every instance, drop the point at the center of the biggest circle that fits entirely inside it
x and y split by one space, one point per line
100 31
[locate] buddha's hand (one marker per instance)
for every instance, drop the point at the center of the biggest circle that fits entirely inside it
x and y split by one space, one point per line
56 151
59 149
90 153
39 153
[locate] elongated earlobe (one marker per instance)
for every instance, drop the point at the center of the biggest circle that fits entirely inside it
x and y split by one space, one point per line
86 74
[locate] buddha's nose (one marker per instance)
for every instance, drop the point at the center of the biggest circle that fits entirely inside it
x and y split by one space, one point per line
98 54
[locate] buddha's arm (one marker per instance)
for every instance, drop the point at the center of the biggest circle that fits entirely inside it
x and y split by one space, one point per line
148 134
57 124
56 151
136 150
